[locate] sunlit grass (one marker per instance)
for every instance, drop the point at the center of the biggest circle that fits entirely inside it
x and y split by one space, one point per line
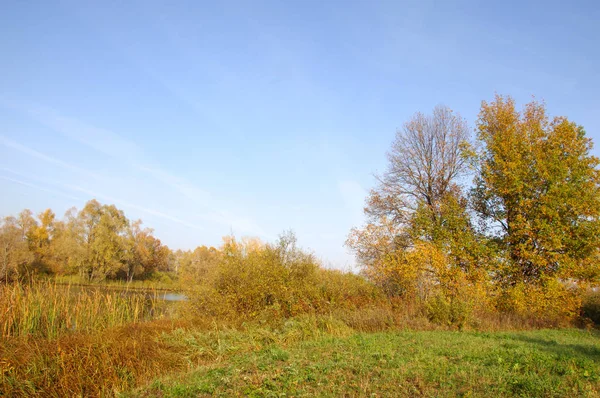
542 363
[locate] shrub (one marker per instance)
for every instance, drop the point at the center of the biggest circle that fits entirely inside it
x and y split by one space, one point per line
268 282
591 307
453 311
551 302
345 290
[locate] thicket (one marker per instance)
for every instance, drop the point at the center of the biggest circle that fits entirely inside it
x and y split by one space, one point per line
246 279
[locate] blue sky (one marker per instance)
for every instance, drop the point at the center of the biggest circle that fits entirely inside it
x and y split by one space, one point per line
206 118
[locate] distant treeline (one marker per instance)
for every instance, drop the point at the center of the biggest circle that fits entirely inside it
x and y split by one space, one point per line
97 243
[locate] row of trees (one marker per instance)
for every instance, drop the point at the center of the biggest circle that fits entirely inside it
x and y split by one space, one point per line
528 226
97 242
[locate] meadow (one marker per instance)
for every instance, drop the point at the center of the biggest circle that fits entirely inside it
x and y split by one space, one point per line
268 320
544 363
59 342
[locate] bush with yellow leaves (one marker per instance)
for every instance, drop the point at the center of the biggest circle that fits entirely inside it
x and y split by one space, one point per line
551 302
268 282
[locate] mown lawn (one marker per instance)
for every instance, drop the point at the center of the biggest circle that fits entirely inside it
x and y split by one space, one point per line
561 363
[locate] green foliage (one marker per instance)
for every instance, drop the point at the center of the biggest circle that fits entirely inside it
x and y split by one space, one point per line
162 278
451 230
420 241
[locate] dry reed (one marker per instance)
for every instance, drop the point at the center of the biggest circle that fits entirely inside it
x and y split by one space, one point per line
48 309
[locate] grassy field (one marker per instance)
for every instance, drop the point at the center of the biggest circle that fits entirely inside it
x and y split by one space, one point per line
58 340
547 363
304 356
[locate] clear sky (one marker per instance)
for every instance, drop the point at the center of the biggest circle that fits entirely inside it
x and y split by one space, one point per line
206 118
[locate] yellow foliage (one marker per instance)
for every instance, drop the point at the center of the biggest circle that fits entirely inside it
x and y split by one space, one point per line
252 280
550 301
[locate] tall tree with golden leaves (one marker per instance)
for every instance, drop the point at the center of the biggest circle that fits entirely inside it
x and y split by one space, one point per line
538 192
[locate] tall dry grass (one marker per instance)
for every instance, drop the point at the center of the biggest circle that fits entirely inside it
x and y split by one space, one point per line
96 364
47 309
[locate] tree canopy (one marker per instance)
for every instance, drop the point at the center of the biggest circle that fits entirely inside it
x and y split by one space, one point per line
528 227
537 188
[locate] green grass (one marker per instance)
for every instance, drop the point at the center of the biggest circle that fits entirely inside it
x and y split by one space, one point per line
543 363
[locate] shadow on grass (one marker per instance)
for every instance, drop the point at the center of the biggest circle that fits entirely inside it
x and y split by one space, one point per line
588 351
